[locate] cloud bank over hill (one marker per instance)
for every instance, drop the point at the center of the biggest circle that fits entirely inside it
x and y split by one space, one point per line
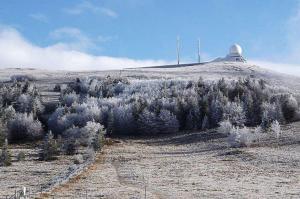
16 51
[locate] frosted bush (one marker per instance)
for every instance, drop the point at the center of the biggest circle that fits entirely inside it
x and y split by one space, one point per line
69 99
78 159
7 114
58 122
23 126
275 129
241 137
169 123
225 127
92 134
121 121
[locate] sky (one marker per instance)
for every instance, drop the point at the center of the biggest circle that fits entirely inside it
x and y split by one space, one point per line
113 34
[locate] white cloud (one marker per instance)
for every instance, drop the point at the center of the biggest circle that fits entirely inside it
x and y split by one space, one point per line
86 6
292 69
39 17
287 61
108 12
16 51
73 38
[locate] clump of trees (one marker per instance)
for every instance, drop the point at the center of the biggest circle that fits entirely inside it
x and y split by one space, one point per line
89 108
151 107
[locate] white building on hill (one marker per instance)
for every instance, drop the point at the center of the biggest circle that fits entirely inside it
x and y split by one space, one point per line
235 55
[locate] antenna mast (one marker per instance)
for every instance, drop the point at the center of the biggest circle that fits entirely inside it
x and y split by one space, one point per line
199 54
178 50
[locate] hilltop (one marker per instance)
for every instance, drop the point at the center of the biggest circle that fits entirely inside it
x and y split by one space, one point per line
209 71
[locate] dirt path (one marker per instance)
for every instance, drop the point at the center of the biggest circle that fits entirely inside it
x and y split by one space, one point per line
198 165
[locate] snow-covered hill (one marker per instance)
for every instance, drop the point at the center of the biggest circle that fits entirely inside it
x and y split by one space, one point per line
209 71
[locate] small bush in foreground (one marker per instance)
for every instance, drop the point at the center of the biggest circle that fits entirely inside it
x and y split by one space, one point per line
21 156
241 137
225 127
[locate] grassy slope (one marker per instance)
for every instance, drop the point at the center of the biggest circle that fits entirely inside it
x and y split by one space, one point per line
194 165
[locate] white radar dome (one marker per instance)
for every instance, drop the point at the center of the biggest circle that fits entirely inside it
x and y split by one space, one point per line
235 49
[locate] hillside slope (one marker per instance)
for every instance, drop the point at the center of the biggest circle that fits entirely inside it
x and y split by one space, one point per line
194 165
210 71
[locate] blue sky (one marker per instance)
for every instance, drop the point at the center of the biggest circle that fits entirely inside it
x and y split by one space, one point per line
108 34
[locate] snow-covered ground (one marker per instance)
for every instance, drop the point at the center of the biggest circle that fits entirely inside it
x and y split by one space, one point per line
210 71
191 165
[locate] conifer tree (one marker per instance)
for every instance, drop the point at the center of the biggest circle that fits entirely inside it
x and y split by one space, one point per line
5 158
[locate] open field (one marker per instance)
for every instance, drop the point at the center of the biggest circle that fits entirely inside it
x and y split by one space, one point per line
193 165
31 173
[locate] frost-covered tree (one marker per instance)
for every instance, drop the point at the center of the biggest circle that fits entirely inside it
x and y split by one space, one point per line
275 129
24 103
289 107
234 112
271 112
205 123
69 99
169 123
92 135
151 124
2 133
50 148
5 156
216 109
122 121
